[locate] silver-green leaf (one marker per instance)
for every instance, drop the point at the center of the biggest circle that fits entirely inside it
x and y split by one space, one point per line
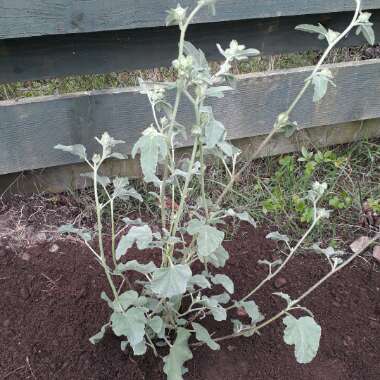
178 355
76 150
171 281
225 281
217 311
130 324
277 237
253 311
126 300
305 334
243 216
156 324
102 180
200 281
368 33
134 265
318 29
152 147
203 335
284 296
208 238
81 232
141 235
218 258
222 298
140 348
100 335
217 92
214 133
320 81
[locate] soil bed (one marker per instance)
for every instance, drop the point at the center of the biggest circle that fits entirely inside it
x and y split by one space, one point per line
50 306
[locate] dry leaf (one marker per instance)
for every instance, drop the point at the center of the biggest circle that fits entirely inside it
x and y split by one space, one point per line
376 253
359 244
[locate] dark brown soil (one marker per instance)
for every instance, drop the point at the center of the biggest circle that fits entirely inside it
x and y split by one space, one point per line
50 306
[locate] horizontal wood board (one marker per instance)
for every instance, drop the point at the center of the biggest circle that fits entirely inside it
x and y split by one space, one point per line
68 177
105 52
30 128
26 18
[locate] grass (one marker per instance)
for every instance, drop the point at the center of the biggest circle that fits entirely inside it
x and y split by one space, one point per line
78 83
273 190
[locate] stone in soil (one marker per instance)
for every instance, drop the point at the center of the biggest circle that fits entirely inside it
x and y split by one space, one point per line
376 253
280 282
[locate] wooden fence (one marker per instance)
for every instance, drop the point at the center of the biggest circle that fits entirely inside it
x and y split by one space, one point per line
42 39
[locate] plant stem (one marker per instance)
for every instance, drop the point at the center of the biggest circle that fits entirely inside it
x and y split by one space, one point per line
282 266
100 233
294 103
197 108
302 297
236 177
185 190
180 89
113 237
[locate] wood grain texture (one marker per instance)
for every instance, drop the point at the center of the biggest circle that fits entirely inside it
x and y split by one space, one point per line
94 53
68 177
25 18
31 127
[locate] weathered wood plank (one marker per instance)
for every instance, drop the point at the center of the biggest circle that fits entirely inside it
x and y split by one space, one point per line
68 178
93 53
25 18
31 127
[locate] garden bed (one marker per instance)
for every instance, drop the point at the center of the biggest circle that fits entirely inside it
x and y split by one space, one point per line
50 305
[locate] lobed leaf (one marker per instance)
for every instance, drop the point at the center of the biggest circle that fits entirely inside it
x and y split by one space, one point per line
284 296
199 58
100 335
318 29
203 335
171 281
134 265
130 324
152 147
76 150
81 232
320 81
208 238
214 133
221 298
156 324
141 235
253 311
200 281
217 311
305 334
243 216
133 222
107 142
217 92
225 281
101 180
126 300
218 258
277 237
178 355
